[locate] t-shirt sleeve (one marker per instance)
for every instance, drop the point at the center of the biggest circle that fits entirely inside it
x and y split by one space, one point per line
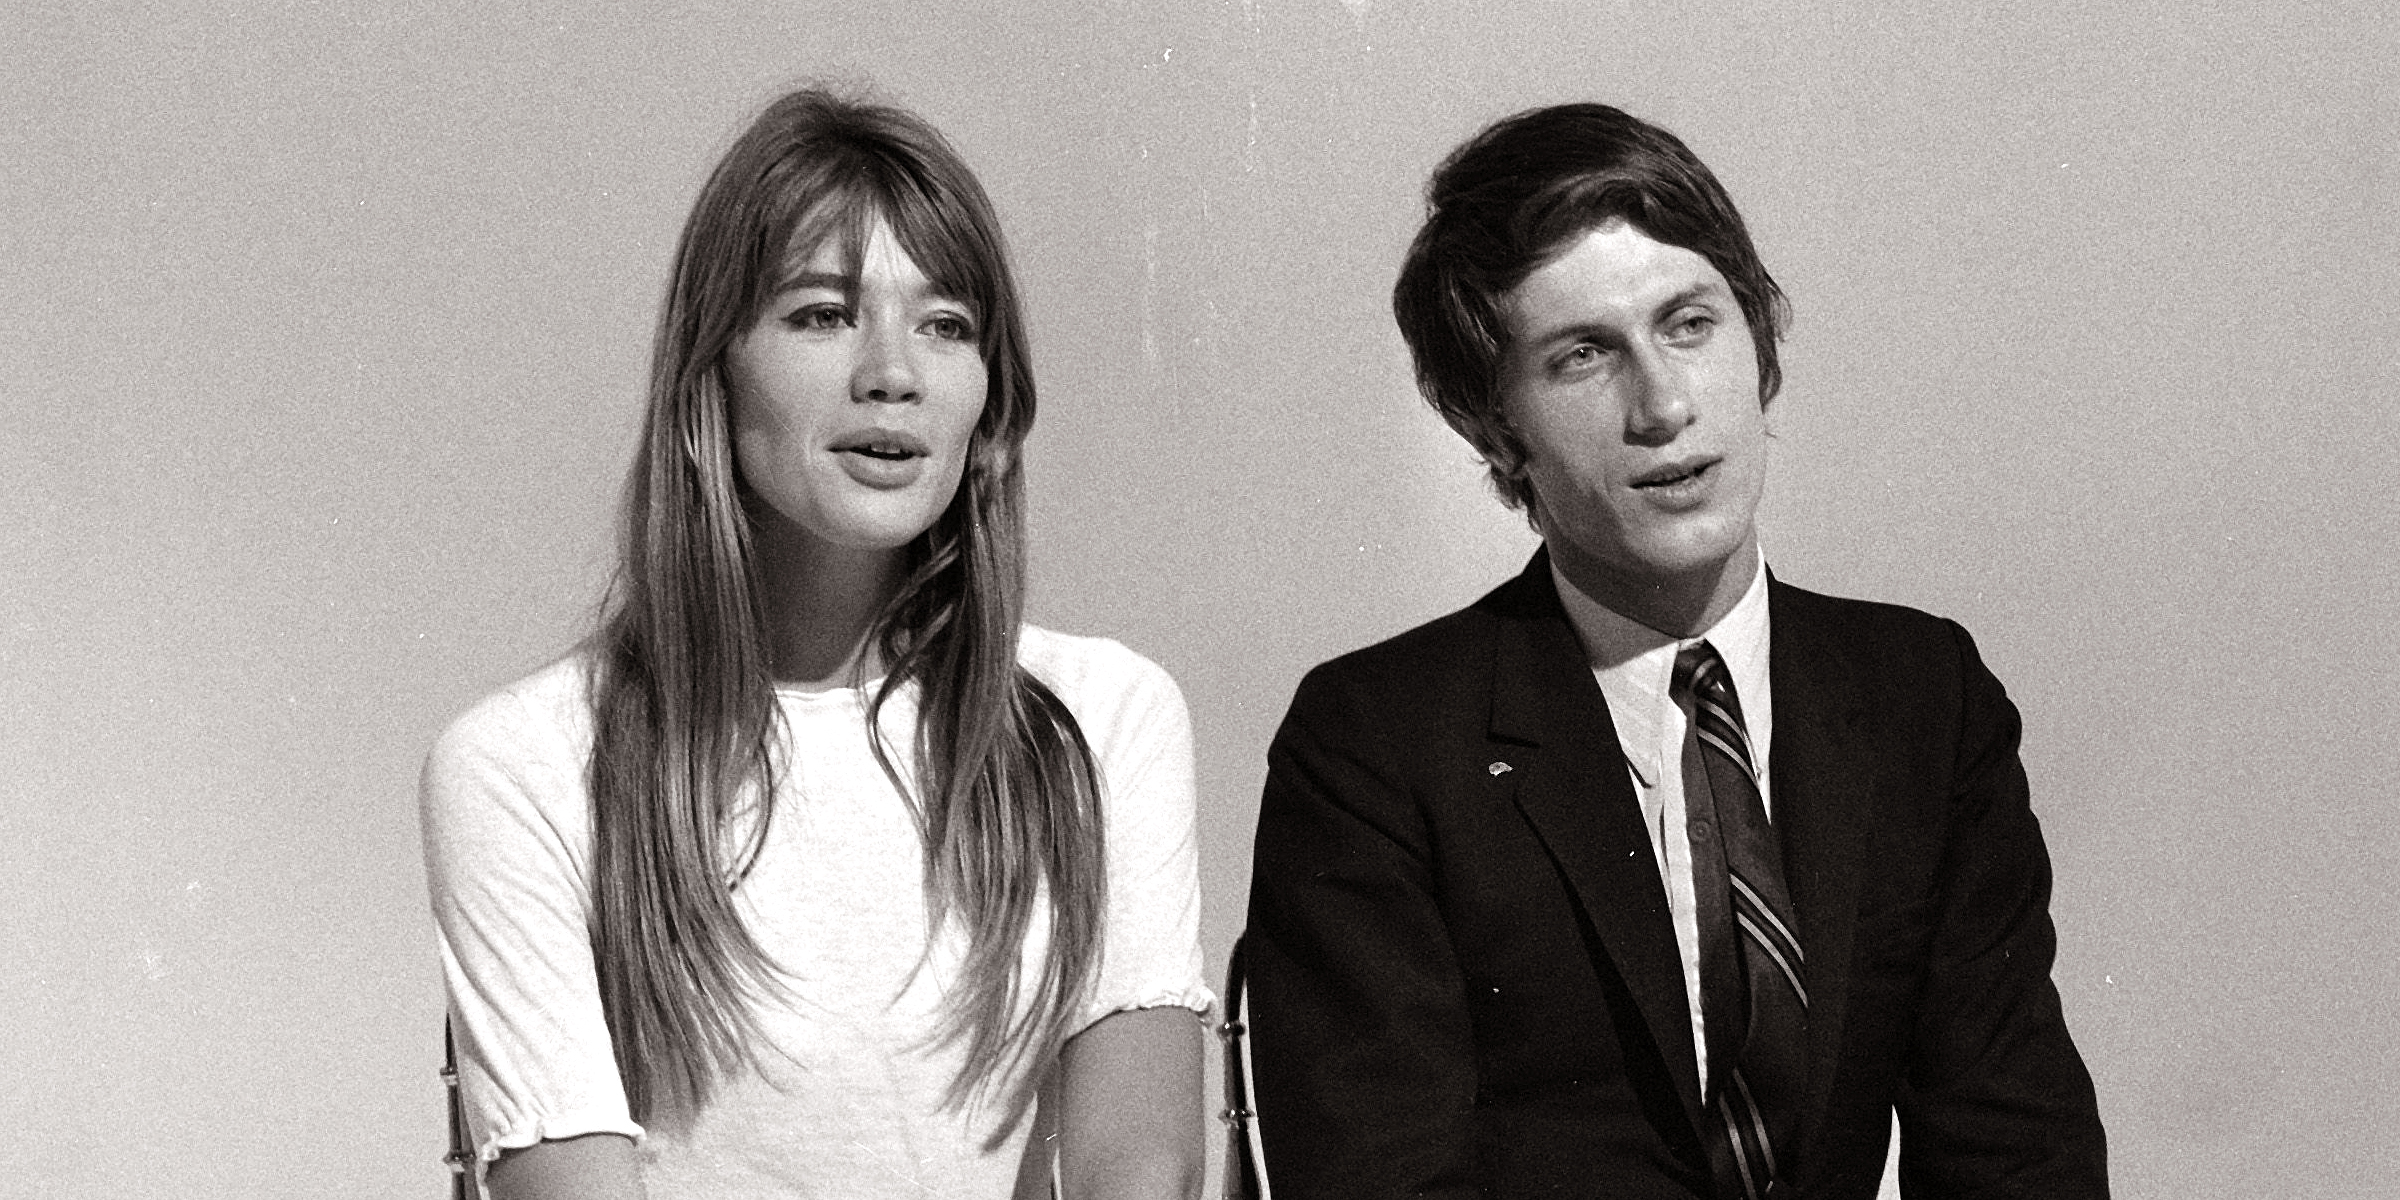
1142 738
506 825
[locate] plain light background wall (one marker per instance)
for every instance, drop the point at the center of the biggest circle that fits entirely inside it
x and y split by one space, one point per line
322 331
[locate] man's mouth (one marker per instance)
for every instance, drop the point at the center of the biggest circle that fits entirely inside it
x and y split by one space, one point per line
1675 473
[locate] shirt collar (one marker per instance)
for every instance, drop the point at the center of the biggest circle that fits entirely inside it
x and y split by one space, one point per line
1635 666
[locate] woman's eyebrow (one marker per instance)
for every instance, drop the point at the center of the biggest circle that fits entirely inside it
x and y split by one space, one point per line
832 281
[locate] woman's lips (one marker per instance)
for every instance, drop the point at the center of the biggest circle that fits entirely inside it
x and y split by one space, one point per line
882 458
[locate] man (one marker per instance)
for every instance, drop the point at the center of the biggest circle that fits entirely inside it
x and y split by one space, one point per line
1528 917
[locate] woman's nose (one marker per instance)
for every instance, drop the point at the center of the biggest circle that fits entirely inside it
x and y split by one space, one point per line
887 371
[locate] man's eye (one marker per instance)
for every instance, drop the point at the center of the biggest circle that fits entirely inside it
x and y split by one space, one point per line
1582 356
819 316
1692 328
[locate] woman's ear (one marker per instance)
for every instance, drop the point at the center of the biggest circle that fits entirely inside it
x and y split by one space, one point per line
991 458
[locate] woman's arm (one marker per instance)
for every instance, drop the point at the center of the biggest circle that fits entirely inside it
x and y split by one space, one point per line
505 818
1130 1108
598 1166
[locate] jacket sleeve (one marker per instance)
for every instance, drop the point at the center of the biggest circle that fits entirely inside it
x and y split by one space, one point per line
1996 1101
1360 1033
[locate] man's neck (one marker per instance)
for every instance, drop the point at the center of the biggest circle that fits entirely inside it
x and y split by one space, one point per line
1678 606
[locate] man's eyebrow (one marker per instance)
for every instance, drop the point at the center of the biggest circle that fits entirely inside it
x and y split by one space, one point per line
1577 330
1706 289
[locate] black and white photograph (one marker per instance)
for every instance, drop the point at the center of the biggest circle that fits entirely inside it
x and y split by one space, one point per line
1250 599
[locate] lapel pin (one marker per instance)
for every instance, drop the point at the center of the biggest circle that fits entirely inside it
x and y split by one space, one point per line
1500 768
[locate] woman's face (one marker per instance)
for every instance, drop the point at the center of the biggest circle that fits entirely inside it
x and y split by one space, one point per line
853 399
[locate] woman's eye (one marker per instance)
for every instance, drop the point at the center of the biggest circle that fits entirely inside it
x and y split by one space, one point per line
819 316
951 327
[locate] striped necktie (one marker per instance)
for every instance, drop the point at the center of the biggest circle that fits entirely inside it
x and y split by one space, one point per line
1753 981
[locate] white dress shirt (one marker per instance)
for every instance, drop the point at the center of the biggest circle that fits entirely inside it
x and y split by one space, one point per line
1635 666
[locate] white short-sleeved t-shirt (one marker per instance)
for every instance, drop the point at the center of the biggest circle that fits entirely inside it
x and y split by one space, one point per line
846 1100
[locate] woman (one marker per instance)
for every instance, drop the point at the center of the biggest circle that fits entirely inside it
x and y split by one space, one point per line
813 872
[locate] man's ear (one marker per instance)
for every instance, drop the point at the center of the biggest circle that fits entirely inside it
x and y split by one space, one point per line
1495 442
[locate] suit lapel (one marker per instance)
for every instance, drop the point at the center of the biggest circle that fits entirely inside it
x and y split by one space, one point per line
1577 797
1823 777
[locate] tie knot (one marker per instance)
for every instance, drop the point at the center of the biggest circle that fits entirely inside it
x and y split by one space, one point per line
1698 670
1702 678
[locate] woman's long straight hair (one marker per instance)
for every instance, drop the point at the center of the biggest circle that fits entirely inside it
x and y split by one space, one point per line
683 761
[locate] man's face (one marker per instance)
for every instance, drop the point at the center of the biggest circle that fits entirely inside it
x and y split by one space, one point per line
1631 377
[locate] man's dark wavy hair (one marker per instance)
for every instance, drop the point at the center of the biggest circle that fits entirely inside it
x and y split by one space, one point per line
1514 197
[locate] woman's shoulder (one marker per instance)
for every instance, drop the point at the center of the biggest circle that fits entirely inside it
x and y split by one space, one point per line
506 779
1101 679
1073 663
543 721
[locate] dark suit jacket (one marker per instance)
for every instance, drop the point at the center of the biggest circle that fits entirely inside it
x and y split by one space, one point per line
1463 977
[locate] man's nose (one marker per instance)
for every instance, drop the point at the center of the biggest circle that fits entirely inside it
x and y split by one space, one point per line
887 371
1661 405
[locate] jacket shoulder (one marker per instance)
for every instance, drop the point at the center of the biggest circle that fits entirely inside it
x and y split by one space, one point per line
1873 625
1889 650
1439 651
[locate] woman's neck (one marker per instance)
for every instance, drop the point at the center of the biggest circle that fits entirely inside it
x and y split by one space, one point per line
820 606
